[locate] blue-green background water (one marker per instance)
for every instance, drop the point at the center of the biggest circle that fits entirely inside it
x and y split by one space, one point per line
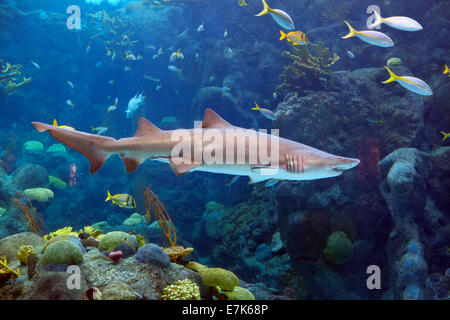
277 235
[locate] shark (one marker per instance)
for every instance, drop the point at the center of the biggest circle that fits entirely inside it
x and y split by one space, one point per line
238 155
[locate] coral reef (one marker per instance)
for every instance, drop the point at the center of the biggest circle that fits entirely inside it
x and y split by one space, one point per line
218 277
9 75
339 248
306 70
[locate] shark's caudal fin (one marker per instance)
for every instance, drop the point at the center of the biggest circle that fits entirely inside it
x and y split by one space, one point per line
146 128
351 32
90 145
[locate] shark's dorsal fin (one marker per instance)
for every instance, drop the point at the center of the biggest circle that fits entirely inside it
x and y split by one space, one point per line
213 120
146 128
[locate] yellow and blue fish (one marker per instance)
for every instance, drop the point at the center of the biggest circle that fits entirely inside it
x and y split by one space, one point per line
283 19
372 37
413 84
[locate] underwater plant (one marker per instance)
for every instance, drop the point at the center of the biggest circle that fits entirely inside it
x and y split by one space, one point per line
307 70
31 216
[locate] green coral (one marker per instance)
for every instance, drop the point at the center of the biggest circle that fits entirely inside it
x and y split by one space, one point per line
63 231
218 277
56 182
33 145
213 206
140 240
57 147
181 290
8 78
394 62
2 211
114 238
42 195
307 69
133 220
239 293
339 248
62 252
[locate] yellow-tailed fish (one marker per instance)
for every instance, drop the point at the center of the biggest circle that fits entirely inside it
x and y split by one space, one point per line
70 103
130 56
413 84
114 106
296 37
55 123
88 48
445 135
401 23
242 3
70 84
372 37
225 34
447 70
201 27
281 17
272 182
265 112
122 200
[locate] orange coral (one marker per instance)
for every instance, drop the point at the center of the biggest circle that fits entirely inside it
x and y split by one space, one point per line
155 206
31 216
177 252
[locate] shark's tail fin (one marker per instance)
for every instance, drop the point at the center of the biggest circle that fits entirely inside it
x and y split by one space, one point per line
351 32
89 145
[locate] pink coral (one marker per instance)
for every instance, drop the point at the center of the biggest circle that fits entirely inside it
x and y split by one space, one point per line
115 256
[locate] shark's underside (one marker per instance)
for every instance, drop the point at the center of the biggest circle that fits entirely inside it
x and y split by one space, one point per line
265 157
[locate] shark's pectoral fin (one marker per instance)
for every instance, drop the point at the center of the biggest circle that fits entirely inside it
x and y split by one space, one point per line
182 166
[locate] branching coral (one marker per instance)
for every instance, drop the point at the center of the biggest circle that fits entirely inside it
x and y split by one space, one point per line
8 77
6 272
181 290
306 70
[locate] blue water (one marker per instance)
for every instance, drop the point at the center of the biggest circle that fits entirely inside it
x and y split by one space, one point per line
349 113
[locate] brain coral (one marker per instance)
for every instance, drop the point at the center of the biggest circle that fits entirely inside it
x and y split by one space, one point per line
39 194
114 238
222 278
239 293
62 252
339 248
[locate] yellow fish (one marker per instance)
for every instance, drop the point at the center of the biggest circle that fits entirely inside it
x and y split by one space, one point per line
122 200
297 37
55 123
445 135
447 70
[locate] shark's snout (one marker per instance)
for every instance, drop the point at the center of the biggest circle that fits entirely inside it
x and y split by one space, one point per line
346 163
